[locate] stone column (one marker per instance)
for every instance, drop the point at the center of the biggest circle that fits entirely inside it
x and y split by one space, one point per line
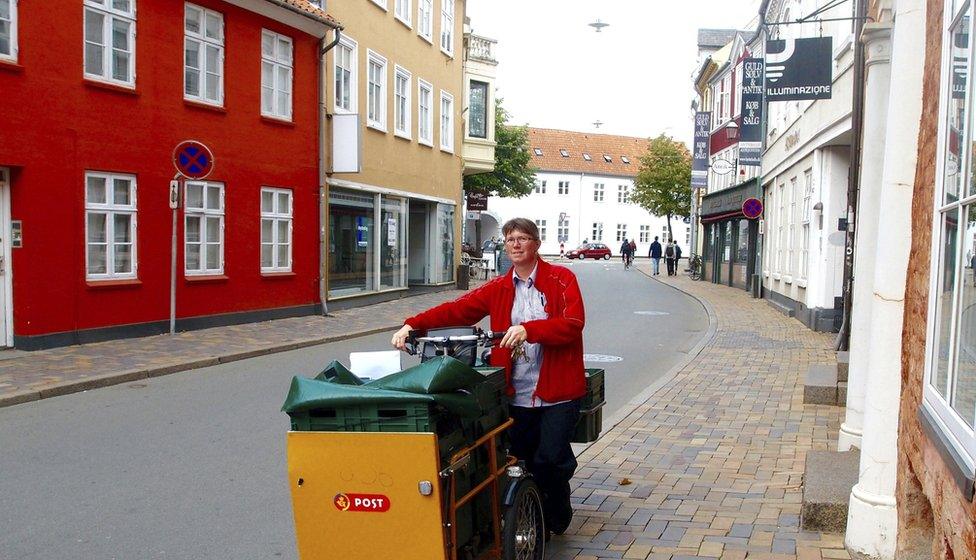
872 521
877 73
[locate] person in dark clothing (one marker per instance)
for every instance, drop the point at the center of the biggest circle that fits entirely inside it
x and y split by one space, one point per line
655 255
669 258
677 257
625 253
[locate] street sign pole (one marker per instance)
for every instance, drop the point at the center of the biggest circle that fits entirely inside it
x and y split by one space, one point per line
174 203
193 160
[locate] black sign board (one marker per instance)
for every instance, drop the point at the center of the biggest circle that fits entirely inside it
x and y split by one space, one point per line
799 69
750 131
477 201
699 162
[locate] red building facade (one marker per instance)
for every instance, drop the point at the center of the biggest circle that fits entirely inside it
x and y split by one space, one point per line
94 96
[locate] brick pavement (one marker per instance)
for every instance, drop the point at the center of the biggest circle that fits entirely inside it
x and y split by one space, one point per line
35 375
710 466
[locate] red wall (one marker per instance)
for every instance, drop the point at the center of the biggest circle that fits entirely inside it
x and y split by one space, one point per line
55 125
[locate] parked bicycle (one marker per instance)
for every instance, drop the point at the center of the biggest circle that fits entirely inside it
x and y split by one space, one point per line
695 267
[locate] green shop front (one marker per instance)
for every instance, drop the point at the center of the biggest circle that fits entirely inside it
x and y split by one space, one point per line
730 239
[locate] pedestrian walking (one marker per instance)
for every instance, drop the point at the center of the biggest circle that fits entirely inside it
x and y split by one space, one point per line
624 249
543 352
677 257
633 250
655 256
669 257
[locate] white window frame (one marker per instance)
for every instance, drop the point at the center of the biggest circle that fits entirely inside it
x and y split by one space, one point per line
791 224
623 194
621 232
110 15
425 114
780 229
12 55
447 27
352 82
562 230
202 213
276 216
203 41
425 20
645 234
279 62
597 231
110 209
447 122
541 224
402 11
540 187
401 102
598 192
959 435
376 92
562 188
807 210
381 4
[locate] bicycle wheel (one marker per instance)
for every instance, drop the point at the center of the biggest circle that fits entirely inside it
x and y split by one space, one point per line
523 529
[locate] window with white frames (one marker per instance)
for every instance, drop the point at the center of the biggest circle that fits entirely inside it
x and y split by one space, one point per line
425 18
401 11
447 122
598 190
478 109
447 26
563 187
623 194
791 224
540 187
621 232
8 29
563 231
807 210
380 3
376 91
110 41
401 102
110 226
276 75
425 113
780 227
276 230
203 228
597 231
645 234
665 234
203 55
346 82
949 394
541 224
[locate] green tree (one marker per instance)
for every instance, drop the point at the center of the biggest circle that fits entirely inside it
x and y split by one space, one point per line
513 176
663 184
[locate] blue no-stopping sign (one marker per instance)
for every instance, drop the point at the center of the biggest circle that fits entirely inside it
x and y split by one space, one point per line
193 159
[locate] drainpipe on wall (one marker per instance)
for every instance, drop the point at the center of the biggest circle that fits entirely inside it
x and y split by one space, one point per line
854 175
323 198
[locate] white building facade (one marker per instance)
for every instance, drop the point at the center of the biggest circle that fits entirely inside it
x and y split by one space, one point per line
582 194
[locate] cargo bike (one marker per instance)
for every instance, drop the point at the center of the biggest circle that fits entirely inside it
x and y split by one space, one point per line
415 465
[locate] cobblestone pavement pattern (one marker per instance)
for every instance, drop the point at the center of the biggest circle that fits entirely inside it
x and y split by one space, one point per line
710 466
35 375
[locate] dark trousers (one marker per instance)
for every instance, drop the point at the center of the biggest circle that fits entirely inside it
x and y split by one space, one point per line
671 266
541 437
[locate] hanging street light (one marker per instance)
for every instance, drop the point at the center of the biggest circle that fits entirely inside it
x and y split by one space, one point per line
598 25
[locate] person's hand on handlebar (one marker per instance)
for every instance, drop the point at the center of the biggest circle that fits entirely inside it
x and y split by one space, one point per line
516 335
400 337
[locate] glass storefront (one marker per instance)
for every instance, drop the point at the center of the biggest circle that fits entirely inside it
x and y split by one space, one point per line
393 243
444 252
351 216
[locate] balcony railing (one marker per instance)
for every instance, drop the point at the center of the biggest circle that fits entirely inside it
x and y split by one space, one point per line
480 48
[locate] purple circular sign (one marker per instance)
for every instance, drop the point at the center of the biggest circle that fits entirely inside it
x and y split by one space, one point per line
193 159
752 208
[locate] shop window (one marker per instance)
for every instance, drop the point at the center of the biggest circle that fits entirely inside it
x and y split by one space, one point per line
276 75
109 41
393 243
726 241
110 226
445 244
708 242
478 109
276 230
203 225
950 387
203 59
351 217
742 242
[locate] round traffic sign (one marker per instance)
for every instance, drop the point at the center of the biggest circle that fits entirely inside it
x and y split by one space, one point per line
193 159
752 208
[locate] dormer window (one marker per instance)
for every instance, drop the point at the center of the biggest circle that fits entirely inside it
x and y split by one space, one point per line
564 153
607 158
587 157
538 152
625 159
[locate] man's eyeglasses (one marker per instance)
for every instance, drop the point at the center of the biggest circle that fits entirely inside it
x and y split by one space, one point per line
518 240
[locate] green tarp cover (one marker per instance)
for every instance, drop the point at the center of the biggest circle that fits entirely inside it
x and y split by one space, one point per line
338 373
441 380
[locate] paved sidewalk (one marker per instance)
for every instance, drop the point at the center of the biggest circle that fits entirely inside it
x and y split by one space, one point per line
30 376
711 464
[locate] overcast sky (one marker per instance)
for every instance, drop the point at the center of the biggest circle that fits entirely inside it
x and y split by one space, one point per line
554 71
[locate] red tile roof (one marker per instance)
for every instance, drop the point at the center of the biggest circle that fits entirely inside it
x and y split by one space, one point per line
308 9
551 141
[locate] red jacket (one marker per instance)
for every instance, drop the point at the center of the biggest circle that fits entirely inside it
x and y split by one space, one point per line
561 377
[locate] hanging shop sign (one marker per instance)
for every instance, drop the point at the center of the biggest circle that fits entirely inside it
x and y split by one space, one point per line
722 166
799 69
477 201
699 163
750 131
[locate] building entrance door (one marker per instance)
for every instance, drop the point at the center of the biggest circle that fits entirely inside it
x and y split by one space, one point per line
6 276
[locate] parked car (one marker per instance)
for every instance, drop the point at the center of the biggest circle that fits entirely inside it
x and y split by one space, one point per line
590 251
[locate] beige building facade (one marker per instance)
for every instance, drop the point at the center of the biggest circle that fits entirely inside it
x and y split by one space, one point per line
393 132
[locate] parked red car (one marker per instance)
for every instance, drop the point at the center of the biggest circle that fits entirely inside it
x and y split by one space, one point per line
590 251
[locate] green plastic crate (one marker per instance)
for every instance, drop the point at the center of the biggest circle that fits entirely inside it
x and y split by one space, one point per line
595 390
589 425
369 417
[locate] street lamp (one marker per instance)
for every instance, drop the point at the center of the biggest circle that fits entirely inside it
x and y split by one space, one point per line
731 131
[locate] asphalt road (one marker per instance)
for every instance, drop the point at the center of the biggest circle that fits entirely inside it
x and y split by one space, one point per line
191 466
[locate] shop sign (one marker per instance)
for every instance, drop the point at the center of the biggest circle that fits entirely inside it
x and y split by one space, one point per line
799 69
699 164
362 231
391 231
750 131
375 503
722 166
477 201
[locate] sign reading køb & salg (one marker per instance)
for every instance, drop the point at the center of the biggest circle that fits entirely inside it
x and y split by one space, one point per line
799 69
750 131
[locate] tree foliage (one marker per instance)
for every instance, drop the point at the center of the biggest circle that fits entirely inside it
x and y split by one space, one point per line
513 176
663 184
